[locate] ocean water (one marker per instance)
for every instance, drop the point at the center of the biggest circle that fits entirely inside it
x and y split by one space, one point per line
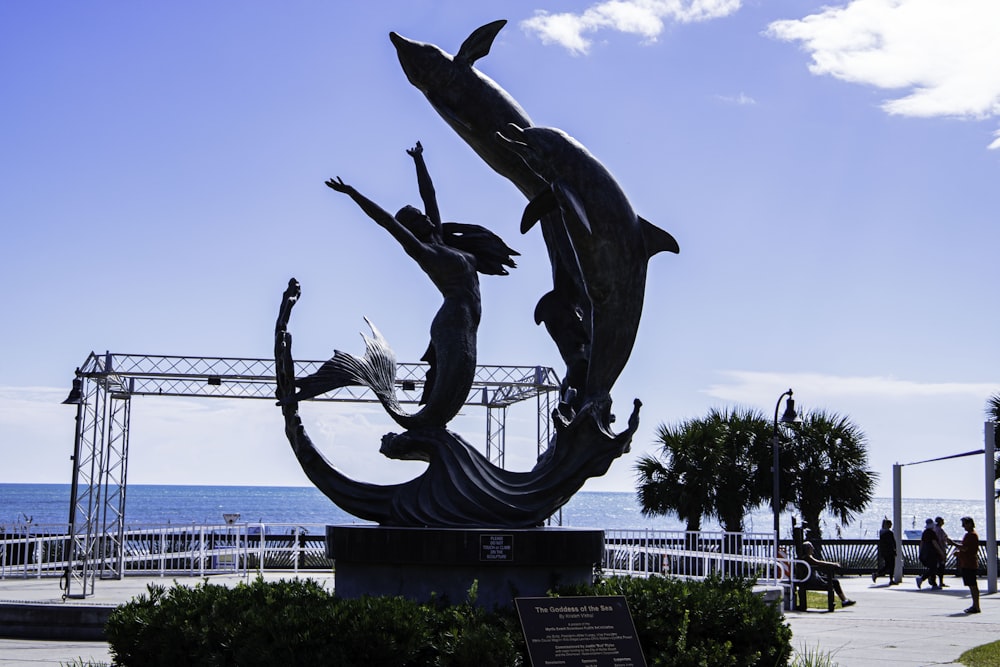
147 504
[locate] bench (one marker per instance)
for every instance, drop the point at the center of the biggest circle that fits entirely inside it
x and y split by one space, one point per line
802 586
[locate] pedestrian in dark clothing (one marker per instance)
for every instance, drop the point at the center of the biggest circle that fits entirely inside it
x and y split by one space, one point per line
968 561
886 552
944 541
930 554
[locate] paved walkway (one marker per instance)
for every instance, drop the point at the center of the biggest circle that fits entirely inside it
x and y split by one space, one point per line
896 626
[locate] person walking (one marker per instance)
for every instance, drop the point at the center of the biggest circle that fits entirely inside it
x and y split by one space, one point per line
886 552
944 541
930 555
968 561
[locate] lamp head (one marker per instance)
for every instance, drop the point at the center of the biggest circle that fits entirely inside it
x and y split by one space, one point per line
790 416
75 394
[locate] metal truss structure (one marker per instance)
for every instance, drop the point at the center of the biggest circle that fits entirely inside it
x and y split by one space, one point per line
105 385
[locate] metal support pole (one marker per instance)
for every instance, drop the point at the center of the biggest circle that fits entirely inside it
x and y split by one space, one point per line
788 417
897 520
991 507
776 490
69 548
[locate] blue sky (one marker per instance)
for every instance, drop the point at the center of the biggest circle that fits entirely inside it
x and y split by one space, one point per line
829 170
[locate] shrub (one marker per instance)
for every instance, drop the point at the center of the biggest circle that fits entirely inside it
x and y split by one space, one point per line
694 623
298 622
678 623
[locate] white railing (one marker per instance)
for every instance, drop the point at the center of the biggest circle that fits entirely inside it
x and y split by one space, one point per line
185 549
196 550
697 555
694 555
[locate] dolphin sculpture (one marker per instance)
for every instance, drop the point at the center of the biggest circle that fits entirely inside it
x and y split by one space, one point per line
477 108
609 242
468 100
480 111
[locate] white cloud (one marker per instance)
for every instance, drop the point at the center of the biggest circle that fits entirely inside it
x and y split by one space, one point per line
945 56
739 100
636 17
749 387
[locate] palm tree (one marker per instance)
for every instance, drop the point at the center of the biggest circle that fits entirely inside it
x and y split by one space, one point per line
708 469
826 464
680 483
742 445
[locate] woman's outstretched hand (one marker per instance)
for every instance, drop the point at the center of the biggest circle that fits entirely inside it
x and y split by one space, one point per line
415 151
338 185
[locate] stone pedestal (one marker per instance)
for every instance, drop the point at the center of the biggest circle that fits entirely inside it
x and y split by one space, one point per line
420 562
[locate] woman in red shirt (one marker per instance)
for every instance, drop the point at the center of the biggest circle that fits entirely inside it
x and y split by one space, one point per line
968 561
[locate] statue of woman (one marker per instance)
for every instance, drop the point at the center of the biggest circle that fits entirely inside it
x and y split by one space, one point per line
452 255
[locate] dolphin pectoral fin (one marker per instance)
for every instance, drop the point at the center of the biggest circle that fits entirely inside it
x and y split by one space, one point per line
479 42
544 307
571 206
656 239
543 204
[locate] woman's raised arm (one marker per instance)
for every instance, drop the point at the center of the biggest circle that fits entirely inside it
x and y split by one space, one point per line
426 185
411 244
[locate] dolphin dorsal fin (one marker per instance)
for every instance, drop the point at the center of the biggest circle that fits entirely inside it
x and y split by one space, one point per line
656 239
479 42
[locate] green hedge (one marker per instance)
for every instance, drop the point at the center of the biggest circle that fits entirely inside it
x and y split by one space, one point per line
700 624
297 622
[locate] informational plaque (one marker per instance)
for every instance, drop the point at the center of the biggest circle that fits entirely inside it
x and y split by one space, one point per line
496 547
579 632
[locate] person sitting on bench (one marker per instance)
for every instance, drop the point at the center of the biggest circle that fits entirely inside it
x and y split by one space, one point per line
819 580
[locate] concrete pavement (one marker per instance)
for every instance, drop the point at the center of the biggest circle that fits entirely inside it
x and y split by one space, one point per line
898 626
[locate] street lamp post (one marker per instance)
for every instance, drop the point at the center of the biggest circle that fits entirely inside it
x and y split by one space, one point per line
789 417
76 398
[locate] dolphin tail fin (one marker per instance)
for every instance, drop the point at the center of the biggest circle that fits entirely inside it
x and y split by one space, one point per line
656 239
479 42
543 203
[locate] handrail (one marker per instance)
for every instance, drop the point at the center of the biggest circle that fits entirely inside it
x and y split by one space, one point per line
193 549
39 550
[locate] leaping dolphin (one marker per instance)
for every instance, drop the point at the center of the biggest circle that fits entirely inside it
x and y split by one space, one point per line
468 100
609 243
478 109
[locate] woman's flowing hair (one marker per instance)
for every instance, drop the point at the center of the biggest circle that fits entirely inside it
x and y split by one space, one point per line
491 253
